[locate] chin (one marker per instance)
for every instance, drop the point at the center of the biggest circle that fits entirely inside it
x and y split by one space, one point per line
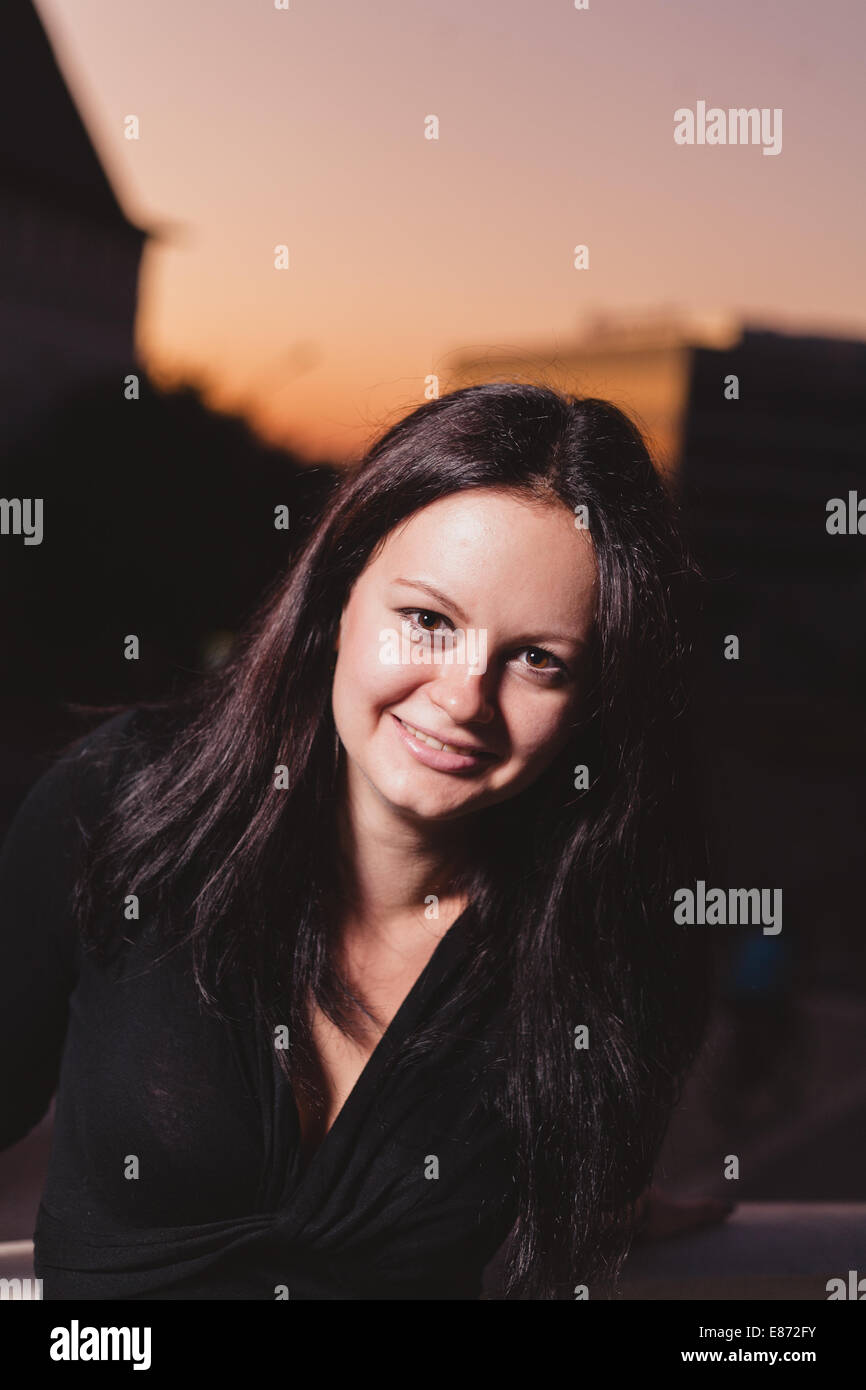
427 808
428 804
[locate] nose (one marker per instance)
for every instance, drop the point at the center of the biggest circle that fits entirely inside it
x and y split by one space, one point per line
463 693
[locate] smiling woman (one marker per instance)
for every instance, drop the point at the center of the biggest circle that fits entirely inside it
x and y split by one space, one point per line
510 720
334 1038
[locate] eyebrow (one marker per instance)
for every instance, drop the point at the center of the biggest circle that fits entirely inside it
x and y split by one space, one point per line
438 595
458 611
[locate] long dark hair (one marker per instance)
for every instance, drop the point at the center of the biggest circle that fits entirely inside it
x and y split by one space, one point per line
572 890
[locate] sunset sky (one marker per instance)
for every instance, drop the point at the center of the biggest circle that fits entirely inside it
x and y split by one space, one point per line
306 127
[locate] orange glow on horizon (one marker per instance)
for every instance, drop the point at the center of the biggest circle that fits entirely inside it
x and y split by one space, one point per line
408 255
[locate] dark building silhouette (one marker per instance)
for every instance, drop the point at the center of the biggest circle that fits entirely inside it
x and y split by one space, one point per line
785 720
70 259
158 511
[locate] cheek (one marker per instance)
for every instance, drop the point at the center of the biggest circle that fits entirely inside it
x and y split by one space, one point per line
539 727
364 684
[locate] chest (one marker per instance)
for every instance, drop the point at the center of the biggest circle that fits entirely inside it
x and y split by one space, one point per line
339 1061
208 1116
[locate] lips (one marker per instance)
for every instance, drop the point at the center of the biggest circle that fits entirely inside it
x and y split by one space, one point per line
466 749
438 754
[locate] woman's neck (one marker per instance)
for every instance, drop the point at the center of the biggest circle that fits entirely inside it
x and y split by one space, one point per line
397 874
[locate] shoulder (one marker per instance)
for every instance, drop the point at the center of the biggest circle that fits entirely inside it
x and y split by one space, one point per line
93 762
39 857
85 767
45 844
74 790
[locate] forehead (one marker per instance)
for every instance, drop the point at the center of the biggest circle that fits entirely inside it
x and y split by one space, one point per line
487 546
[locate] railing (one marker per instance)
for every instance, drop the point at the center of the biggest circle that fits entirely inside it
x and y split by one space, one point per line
764 1250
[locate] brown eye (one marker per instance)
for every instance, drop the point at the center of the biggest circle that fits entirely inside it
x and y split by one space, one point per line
416 618
543 658
543 664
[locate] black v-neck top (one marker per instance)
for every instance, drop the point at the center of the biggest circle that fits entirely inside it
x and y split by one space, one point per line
176 1169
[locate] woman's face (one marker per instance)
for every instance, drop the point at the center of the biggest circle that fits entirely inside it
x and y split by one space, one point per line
518 580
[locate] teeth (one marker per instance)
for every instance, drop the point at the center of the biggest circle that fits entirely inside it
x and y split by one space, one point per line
432 742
